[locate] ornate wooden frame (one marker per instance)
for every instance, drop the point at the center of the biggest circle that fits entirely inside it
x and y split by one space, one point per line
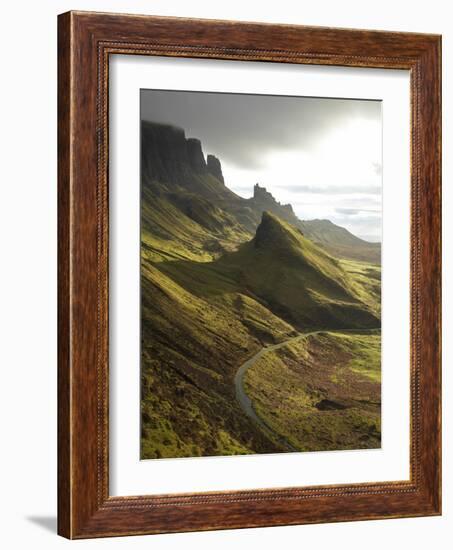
85 41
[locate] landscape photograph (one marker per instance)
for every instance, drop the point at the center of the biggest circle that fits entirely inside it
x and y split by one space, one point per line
260 274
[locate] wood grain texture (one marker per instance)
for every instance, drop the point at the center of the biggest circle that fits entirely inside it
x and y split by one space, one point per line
64 367
86 40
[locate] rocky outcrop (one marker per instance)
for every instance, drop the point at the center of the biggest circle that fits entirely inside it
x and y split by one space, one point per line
337 240
261 194
215 168
168 156
263 200
164 153
196 157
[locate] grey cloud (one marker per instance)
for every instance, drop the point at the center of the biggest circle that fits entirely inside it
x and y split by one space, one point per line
356 211
371 203
348 211
333 189
241 128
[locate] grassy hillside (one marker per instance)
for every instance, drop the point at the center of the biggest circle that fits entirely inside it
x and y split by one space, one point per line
202 318
321 392
340 242
287 274
191 347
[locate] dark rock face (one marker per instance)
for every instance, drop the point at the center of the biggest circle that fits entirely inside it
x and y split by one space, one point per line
215 168
164 153
168 156
261 194
196 157
264 200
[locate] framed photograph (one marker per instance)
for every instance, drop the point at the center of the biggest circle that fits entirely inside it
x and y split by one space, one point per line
249 275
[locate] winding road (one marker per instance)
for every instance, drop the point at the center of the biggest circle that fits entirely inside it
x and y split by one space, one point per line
245 401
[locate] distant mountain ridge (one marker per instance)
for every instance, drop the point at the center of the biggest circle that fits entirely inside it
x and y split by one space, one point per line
178 162
333 238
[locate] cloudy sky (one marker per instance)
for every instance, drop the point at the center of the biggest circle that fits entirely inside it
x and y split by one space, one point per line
324 156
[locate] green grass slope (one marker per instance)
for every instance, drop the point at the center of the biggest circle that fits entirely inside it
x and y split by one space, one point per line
308 286
191 347
287 274
202 319
322 392
340 242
